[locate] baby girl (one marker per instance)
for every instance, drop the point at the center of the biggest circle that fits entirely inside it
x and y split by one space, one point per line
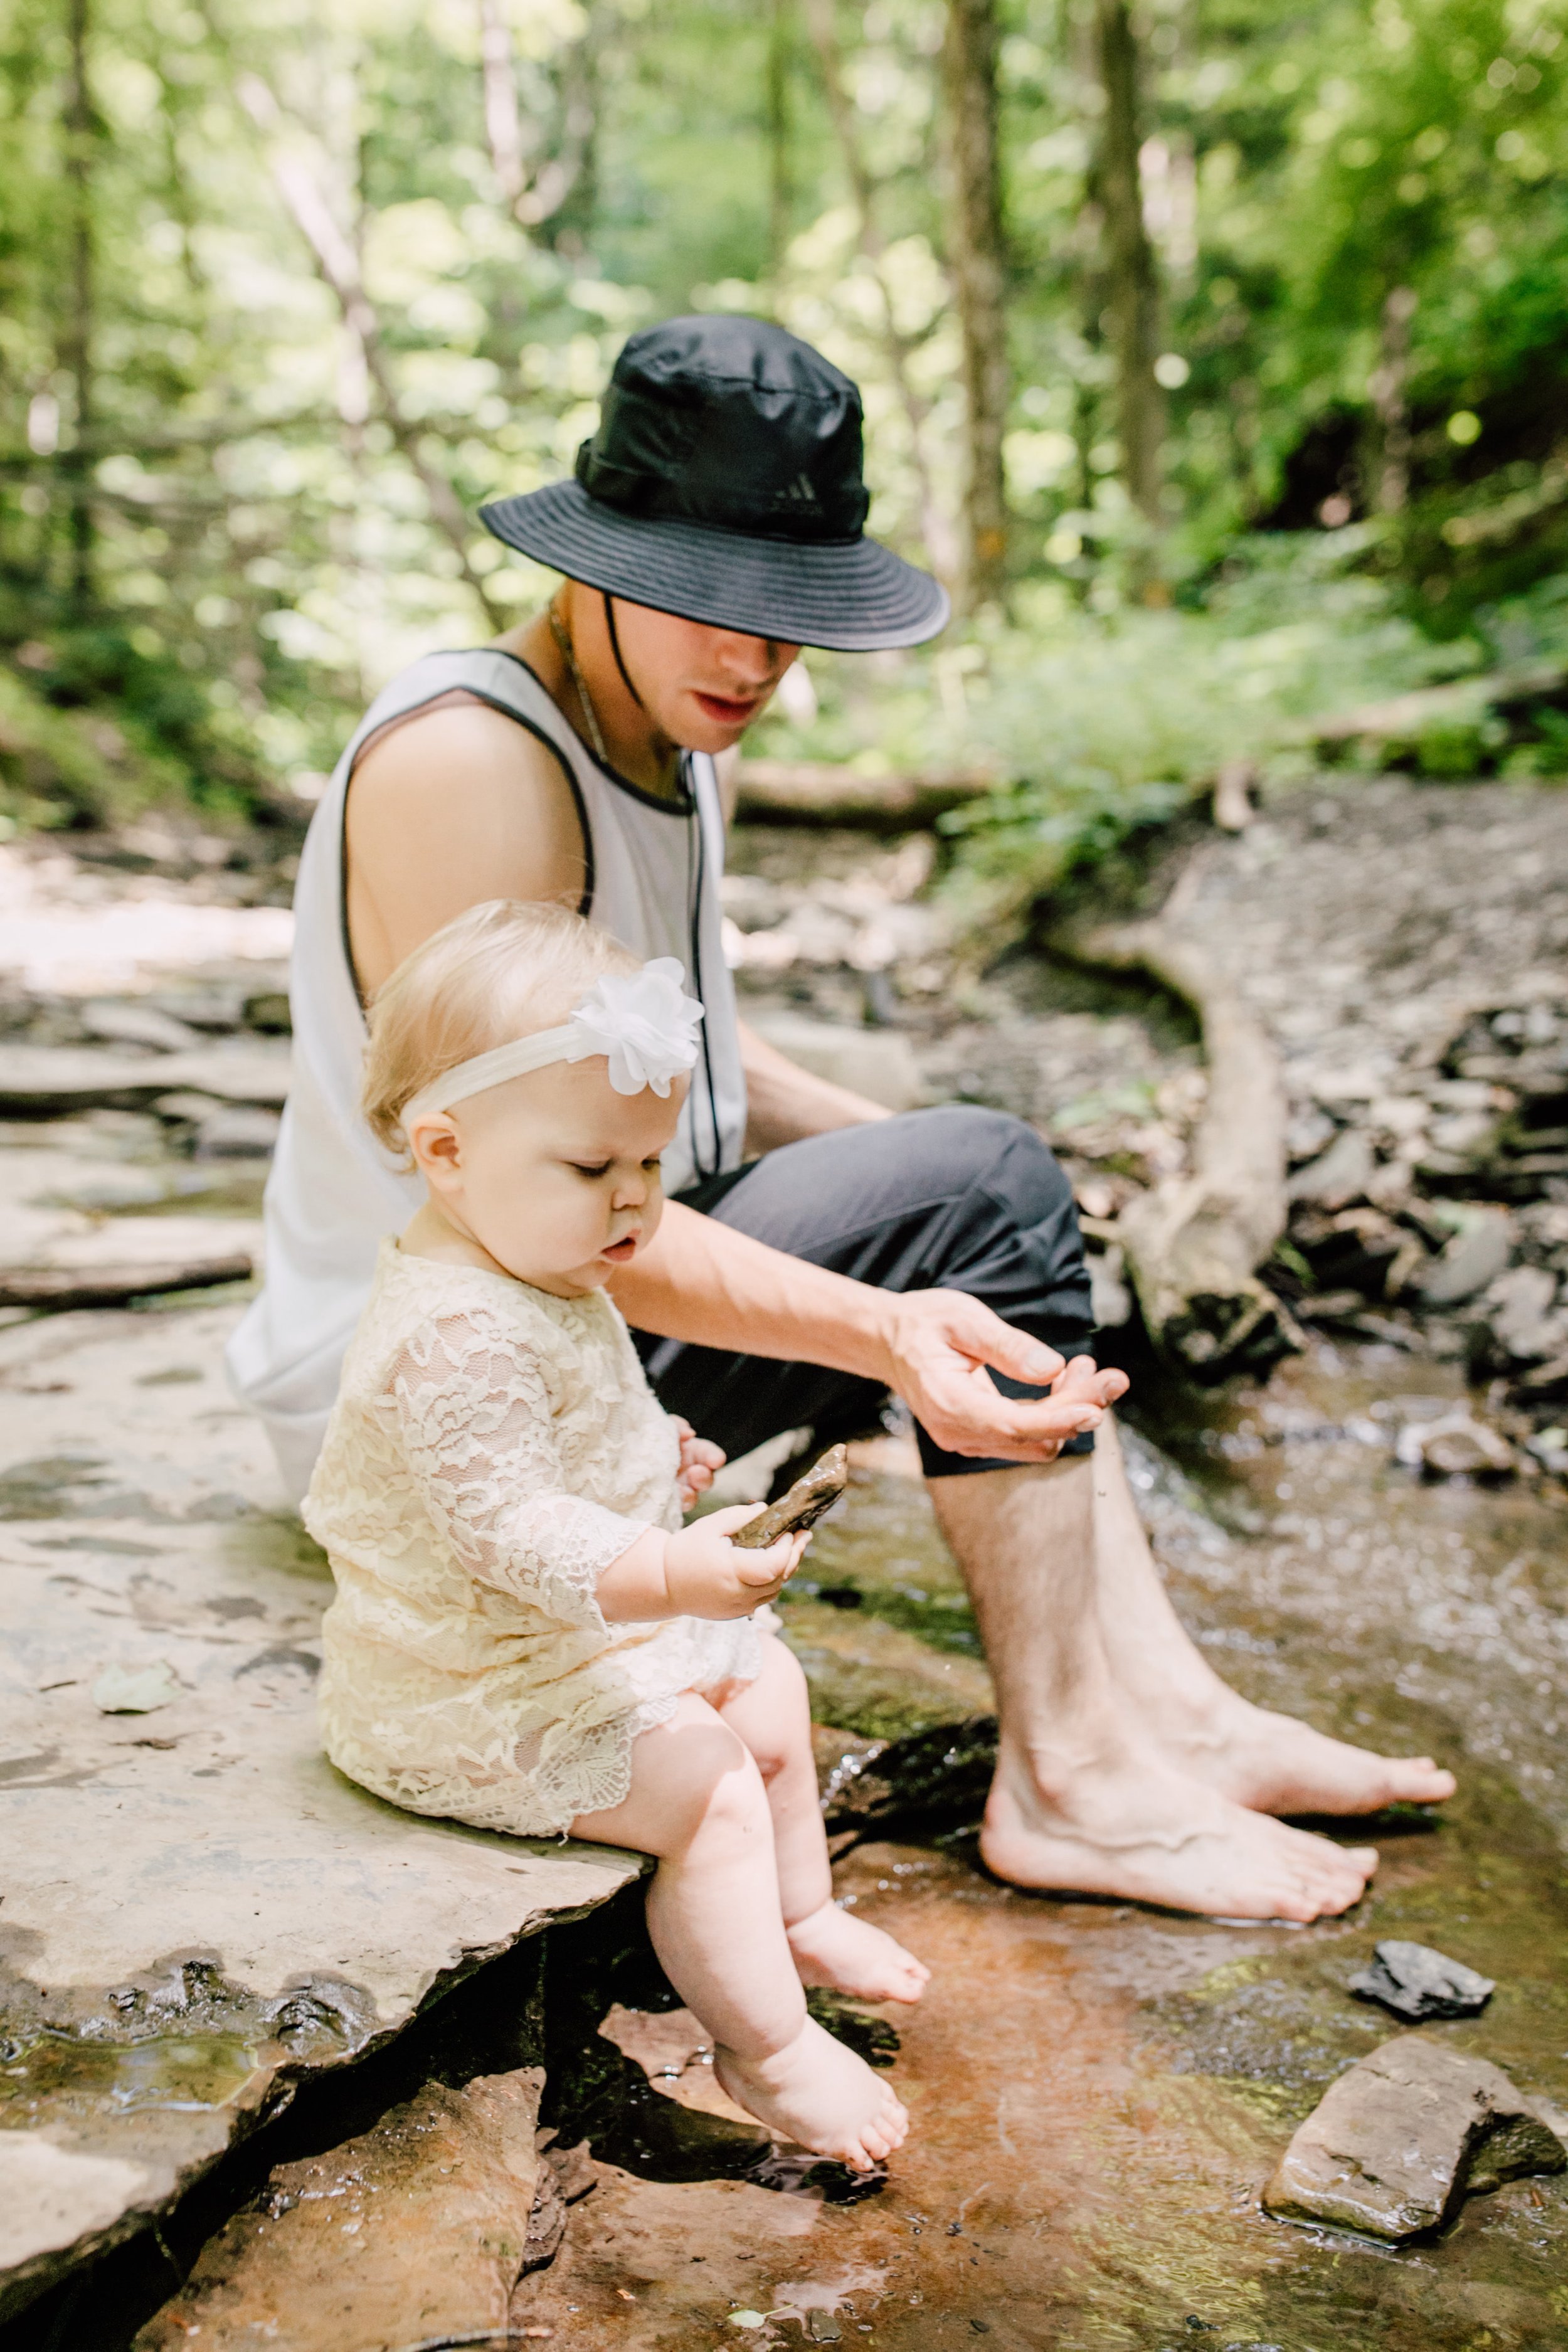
525 1636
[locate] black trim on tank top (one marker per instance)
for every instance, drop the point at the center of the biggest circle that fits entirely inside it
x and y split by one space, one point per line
694 926
663 801
529 727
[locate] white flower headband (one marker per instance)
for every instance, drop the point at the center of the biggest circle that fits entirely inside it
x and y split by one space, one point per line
643 1021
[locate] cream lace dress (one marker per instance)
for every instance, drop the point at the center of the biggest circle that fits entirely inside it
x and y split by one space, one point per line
492 1449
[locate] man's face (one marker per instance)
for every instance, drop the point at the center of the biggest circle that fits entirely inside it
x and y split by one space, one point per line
701 687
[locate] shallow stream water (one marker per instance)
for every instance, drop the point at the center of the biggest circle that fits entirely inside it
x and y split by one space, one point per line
1099 2092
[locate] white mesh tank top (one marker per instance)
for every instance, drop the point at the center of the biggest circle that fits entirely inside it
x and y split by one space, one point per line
654 870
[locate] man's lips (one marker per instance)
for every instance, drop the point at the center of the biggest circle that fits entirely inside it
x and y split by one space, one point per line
619 1252
728 710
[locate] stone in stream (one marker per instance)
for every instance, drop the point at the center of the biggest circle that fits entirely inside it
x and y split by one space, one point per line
1416 1981
415 2233
934 1780
1404 2136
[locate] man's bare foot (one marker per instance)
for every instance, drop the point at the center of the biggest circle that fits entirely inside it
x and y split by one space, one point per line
1276 1765
819 2095
833 1948
1137 1828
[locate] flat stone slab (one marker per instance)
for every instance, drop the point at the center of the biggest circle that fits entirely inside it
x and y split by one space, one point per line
415 2232
195 1905
1395 2146
56 1079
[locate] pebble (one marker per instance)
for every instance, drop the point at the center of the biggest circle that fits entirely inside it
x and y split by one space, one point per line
1416 1981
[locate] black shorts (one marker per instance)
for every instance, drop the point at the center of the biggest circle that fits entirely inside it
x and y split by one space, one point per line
955 1198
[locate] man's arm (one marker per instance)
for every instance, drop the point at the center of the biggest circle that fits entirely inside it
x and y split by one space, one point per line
785 1103
700 1281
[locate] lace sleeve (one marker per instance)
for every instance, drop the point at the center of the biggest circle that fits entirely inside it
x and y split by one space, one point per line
474 1416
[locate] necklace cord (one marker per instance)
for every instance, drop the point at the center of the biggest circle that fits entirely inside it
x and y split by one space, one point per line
562 636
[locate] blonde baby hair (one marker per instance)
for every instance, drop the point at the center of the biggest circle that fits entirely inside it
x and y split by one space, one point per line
506 969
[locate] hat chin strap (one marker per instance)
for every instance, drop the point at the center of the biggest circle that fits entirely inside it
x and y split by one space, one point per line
616 650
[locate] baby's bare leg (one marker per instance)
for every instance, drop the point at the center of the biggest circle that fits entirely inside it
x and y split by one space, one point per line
697 1802
831 1947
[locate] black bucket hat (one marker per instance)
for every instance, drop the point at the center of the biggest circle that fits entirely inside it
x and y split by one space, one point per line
723 484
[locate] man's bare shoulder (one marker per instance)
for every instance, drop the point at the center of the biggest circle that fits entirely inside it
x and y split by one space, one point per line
457 804
459 744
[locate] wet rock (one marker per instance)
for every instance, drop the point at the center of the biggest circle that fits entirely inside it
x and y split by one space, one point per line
56 1287
1339 1176
61 1078
118 1022
676 2053
1356 1249
1416 1981
1111 1297
1404 2136
1472 1259
1457 1448
268 1011
933 1779
313 1921
1520 1327
417 2230
242 1132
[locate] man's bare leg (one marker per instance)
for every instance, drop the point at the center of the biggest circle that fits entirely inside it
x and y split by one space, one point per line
1085 1798
1265 1760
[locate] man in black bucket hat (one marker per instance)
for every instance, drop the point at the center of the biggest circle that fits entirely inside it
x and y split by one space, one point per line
715 525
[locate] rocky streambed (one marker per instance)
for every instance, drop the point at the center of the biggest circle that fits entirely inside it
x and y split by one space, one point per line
284 2066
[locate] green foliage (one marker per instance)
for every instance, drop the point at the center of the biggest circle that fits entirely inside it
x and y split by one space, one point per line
225 530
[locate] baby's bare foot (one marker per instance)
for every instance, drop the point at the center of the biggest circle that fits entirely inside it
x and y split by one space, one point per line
819 2095
833 1948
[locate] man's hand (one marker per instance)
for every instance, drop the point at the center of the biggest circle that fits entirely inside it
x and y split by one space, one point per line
940 1345
700 1458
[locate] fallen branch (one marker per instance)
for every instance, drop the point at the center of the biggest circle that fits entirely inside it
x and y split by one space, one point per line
816 791
55 1287
1409 715
1193 1243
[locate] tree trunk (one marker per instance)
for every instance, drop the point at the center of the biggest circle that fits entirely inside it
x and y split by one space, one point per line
76 340
337 264
1391 484
781 189
1133 285
940 539
976 250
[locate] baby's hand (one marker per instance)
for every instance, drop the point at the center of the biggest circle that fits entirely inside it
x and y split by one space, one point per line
698 1461
705 1576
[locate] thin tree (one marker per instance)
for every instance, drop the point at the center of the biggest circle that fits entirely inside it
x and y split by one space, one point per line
301 186
536 199
976 252
780 188
76 340
1132 285
936 529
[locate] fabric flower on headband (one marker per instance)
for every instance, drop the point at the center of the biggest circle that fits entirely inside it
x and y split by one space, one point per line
644 1022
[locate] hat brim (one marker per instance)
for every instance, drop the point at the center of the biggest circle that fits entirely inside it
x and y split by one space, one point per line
848 596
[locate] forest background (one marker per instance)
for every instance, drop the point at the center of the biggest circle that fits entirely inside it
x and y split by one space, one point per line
1213 350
